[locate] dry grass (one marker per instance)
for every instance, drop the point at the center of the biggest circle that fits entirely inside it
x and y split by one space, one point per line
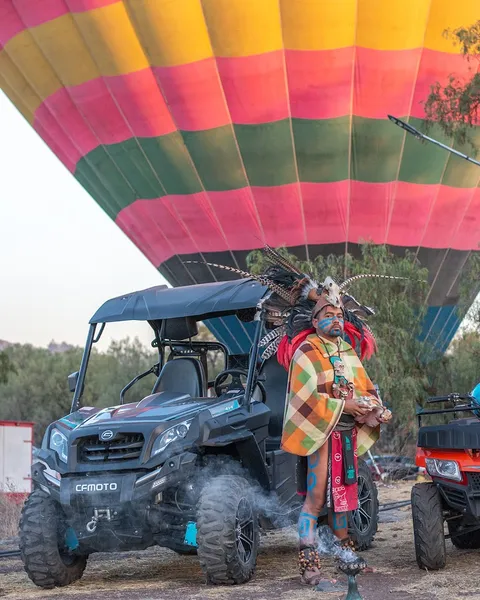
9 516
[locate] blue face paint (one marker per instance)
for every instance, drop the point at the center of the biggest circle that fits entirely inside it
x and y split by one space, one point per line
331 325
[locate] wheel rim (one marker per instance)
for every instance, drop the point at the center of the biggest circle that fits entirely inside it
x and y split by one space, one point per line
362 516
244 530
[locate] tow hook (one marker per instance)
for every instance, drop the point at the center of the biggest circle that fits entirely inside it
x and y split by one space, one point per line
98 514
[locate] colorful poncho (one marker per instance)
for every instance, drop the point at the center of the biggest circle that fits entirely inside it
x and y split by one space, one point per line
311 413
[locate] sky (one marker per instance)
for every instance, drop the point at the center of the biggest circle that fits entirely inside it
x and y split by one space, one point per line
61 256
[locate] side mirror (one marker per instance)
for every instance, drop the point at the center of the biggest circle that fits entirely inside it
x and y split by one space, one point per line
72 381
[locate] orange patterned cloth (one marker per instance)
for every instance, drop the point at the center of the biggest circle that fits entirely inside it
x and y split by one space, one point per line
311 412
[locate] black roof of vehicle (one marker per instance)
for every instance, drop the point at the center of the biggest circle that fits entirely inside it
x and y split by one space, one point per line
204 300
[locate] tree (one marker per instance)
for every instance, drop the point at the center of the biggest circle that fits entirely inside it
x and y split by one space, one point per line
454 105
6 366
398 369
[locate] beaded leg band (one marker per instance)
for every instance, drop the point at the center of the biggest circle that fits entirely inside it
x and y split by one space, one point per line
308 559
347 542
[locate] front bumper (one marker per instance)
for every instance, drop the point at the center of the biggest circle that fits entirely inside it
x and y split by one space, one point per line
461 497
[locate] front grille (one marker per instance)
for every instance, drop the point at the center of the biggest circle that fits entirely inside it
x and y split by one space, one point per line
454 496
474 481
125 446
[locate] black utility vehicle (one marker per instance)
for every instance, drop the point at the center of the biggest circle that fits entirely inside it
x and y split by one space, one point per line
196 466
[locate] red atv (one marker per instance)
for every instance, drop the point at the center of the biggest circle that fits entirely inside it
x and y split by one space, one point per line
451 455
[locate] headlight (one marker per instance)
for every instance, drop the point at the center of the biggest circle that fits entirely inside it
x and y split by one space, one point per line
59 444
448 469
177 432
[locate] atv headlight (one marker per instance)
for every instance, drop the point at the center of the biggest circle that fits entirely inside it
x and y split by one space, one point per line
59 444
177 432
448 469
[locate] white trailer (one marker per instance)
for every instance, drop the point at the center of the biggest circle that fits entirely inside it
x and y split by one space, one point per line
16 444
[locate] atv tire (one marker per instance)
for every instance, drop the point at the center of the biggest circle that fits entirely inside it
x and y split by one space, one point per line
466 541
428 527
43 559
363 522
227 531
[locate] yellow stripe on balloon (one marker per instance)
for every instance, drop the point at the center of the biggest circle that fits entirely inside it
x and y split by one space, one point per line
449 14
172 32
18 102
112 40
243 27
314 25
392 24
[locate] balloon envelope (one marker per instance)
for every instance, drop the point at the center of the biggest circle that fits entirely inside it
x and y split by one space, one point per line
205 128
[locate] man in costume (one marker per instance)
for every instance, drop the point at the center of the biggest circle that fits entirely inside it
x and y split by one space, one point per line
332 415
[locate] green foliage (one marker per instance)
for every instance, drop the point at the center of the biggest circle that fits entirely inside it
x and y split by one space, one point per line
400 305
454 105
6 367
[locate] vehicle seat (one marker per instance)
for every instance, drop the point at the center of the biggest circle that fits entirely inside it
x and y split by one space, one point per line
182 375
276 389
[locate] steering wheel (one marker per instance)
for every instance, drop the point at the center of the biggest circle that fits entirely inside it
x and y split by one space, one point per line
236 375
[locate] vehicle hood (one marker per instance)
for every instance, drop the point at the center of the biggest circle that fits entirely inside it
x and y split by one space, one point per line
163 406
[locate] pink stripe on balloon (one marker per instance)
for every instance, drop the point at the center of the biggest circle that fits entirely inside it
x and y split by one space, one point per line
319 82
280 211
410 212
91 114
437 67
325 209
194 95
384 82
468 234
369 205
255 87
19 15
450 205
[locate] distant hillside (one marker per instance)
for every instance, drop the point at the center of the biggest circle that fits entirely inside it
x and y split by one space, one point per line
52 347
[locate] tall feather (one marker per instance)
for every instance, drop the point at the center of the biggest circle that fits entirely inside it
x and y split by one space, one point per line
365 275
276 257
281 291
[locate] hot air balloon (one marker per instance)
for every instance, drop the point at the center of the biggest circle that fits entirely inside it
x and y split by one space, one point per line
206 128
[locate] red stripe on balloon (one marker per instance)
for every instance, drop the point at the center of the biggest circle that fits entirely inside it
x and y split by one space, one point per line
18 15
437 67
255 87
319 82
105 111
187 224
444 220
325 209
194 95
468 235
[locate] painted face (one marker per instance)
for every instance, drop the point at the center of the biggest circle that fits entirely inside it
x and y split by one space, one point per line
329 322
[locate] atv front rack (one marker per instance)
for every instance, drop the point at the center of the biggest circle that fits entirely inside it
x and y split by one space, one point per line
453 398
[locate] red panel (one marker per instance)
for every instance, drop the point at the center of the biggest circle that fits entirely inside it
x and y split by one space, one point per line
194 95
55 138
410 213
320 82
88 115
325 207
255 87
18 15
384 82
155 230
280 211
447 213
369 205
468 235
436 66
236 212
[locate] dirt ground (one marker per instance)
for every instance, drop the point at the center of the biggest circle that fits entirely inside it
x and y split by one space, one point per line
161 574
